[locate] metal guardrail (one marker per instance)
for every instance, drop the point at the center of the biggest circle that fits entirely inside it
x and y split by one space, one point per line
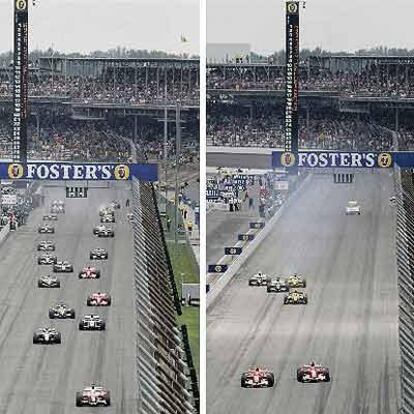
405 262
164 385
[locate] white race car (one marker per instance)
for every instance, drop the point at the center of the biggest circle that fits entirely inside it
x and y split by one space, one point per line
93 396
259 279
352 208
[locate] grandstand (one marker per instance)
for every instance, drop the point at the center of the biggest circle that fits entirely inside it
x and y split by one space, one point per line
346 103
86 108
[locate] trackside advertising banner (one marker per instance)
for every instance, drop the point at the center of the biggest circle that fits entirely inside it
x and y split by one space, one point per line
342 159
78 171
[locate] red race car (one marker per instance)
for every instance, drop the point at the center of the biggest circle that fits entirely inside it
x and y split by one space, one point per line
93 396
99 299
257 378
313 373
89 272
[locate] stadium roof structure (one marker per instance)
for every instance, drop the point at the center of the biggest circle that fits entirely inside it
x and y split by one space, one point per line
385 59
119 60
245 65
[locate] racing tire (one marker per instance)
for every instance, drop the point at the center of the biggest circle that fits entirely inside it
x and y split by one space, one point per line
103 326
39 285
81 328
78 399
58 284
39 262
98 274
91 257
58 339
108 399
35 341
299 376
242 382
304 283
72 314
80 275
88 302
109 301
285 301
327 377
271 379
305 301
51 314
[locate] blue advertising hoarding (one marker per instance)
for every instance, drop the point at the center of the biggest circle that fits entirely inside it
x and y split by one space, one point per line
342 159
78 171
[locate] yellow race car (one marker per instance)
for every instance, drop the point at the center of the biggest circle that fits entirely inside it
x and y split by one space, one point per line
296 298
296 281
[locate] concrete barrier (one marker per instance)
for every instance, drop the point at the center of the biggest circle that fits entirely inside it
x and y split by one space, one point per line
4 232
214 293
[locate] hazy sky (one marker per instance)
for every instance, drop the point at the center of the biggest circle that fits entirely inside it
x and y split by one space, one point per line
331 24
86 25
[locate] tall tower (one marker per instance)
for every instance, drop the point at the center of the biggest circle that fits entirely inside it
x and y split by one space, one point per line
20 81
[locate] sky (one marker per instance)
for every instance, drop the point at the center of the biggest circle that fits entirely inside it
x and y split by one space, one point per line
335 25
87 25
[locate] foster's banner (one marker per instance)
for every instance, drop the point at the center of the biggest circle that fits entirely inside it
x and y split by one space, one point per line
77 171
340 159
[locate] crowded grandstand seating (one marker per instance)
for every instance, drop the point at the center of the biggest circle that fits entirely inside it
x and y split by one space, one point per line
343 132
365 77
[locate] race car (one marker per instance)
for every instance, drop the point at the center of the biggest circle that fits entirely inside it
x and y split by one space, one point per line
313 373
61 311
98 253
116 204
257 378
296 281
93 396
57 209
46 259
63 266
98 228
277 285
98 299
47 336
352 208
106 211
48 281
46 246
258 279
89 272
50 217
295 298
46 229
106 232
92 323
108 218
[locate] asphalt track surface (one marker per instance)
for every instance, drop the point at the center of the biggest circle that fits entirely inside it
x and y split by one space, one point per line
43 379
223 228
349 325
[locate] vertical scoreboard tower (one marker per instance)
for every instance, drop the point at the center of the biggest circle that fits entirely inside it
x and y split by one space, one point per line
20 81
292 78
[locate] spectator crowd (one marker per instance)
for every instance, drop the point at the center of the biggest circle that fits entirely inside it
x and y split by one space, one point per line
166 86
371 80
343 132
